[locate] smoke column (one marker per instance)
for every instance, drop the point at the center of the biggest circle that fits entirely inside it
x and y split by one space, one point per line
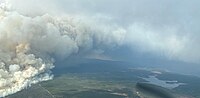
28 43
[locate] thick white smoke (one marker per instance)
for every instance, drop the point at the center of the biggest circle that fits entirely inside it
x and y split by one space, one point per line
32 32
27 43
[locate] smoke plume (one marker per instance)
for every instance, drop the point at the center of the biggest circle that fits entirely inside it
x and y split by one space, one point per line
35 33
28 44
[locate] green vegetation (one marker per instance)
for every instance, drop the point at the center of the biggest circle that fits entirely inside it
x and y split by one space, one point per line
33 92
74 86
106 80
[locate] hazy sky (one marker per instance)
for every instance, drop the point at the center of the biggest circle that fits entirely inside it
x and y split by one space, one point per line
168 28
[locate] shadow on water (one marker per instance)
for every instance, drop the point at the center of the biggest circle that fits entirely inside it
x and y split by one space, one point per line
154 90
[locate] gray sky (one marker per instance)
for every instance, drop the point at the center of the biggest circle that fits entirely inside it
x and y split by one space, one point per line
168 28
